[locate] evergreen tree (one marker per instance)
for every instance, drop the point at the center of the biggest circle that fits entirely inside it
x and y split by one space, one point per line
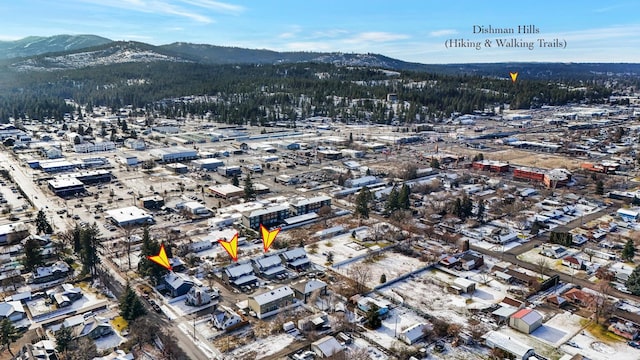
457 208
89 249
130 305
64 339
146 267
480 210
8 334
633 282
392 201
599 187
33 254
76 235
249 191
435 163
467 207
42 224
403 198
629 251
373 316
235 181
362 202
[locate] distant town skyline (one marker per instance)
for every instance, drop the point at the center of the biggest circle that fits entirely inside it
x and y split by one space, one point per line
417 31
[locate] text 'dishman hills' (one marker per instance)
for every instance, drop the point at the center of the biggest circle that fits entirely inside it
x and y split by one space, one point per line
528 39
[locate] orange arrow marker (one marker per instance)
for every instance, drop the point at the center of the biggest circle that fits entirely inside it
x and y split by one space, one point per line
268 236
514 76
231 246
161 259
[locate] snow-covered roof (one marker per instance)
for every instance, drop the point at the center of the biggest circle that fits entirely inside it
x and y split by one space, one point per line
328 345
238 270
507 343
273 295
10 307
414 332
268 261
175 280
310 286
294 254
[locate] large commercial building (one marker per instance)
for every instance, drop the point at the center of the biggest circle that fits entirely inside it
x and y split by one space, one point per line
273 215
67 186
128 216
209 164
305 206
173 154
550 178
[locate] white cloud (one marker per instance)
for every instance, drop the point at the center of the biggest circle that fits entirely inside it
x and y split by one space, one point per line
331 33
152 7
216 6
443 32
10 37
375 36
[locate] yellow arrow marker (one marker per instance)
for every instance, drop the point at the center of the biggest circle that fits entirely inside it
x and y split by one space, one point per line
161 259
514 76
231 246
268 236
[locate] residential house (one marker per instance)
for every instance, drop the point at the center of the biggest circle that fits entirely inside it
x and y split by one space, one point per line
12 310
305 289
526 320
449 261
92 327
413 333
520 351
556 300
364 304
314 322
198 296
57 270
555 252
471 260
579 298
239 275
117 355
42 350
66 296
269 267
573 262
326 347
296 259
271 302
177 284
224 318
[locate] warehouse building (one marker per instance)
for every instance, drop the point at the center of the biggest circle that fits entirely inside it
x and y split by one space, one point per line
67 186
173 154
209 164
128 216
226 191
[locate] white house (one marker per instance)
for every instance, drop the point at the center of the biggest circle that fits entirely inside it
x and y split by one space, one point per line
326 347
413 333
224 318
13 310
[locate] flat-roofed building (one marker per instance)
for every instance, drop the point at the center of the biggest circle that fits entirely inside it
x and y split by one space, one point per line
273 215
172 154
131 215
271 302
67 186
226 191
305 206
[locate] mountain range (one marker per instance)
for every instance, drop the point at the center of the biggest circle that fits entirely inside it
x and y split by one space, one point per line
65 52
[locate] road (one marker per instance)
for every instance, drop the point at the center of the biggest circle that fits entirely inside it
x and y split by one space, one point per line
36 196
186 343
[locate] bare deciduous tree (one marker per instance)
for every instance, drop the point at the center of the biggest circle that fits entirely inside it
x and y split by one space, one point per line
361 274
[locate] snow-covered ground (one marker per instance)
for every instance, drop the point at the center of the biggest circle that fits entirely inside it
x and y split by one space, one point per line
594 349
427 291
109 342
399 319
342 247
180 307
389 263
264 347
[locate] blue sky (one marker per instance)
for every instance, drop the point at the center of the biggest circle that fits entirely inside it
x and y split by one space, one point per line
594 31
